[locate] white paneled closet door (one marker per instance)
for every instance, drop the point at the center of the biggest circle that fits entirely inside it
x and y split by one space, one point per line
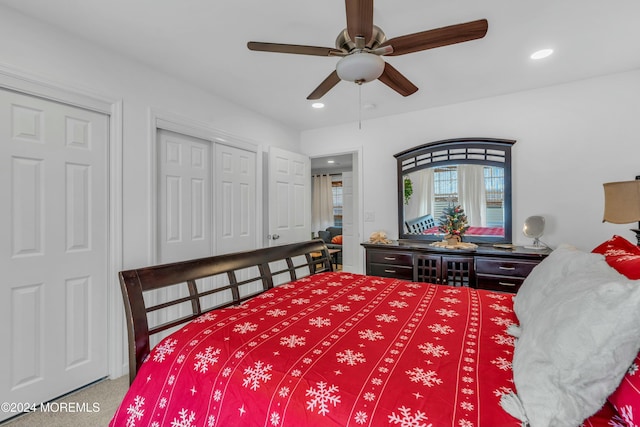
54 251
235 205
184 197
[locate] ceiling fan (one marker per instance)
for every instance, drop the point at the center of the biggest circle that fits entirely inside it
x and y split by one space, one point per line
362 44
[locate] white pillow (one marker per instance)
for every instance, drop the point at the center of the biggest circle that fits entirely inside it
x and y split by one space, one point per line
547 276
575 347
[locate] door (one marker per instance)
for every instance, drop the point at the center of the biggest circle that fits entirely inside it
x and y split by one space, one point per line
54 252
235 206
289 201
184 197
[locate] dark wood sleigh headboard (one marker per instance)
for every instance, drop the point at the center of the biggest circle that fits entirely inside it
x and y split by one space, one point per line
235 272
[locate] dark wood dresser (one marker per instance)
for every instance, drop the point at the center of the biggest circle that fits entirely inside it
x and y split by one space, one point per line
486 267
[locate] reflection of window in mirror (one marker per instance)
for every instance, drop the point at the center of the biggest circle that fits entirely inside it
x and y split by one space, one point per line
476 177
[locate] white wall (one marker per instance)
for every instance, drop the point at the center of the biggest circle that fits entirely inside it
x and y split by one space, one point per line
571 138
33 48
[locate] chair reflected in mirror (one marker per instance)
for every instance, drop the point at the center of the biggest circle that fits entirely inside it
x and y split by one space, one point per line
420 225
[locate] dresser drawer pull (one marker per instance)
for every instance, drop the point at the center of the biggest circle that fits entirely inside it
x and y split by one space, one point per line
507 284
390 271
506 268
390 258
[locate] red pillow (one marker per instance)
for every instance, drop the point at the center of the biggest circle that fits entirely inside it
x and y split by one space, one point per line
622 255
337 240
626 398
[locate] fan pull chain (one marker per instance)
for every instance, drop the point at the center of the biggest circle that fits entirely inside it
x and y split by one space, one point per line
360 106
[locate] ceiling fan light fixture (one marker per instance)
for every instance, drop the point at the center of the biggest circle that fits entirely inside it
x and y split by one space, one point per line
360 67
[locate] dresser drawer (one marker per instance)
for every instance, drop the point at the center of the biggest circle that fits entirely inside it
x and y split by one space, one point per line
501 284
388 257
388 270
504 267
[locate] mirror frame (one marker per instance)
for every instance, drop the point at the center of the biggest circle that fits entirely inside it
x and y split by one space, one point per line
483 151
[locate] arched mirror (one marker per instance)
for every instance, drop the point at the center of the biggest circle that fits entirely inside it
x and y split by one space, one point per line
473 173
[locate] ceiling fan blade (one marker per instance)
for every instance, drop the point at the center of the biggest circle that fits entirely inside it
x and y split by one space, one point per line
438 37
359 19
325 86
396 81
295 49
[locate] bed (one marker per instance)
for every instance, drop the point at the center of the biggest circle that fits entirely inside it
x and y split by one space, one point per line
315 347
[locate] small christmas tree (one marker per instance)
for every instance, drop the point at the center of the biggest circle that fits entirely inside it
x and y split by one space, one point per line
453 221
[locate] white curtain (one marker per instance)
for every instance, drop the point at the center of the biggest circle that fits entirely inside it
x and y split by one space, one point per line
321 203
472 194
422 201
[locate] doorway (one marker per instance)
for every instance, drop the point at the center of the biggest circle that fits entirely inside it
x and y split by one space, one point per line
343 169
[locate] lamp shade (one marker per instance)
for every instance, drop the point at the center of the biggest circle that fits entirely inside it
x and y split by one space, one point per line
360 67
622 202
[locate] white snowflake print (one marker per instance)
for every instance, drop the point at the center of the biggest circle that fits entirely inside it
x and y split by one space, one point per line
296 373
441 329
356 297
217 395
406 419
502 363
504 340
321 397
276 313
451 291
398 304
447 313
259 372
502 390
172 379
209 357
245 327
633 369
205 317
368 288
161 351
467 406
292 341
300 301
163 403
406 294
350 357
370 335
340 308
211 421
135 411
428 378
501 321
465 423
432 349
369 397
626 412
387 318
226 372
413 285
502 308
450 300
275 418
319 322
284 391
186 419
360 417
319 291
497 296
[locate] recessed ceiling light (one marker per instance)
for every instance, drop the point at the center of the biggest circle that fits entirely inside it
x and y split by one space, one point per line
317 105
331 161
542 53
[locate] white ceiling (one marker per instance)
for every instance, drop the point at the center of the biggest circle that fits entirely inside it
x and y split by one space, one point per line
204 42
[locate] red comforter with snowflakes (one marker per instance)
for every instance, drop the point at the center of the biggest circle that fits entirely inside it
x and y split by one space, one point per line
334 349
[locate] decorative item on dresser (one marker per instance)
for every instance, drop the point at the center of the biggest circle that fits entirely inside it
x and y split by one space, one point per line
485 267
